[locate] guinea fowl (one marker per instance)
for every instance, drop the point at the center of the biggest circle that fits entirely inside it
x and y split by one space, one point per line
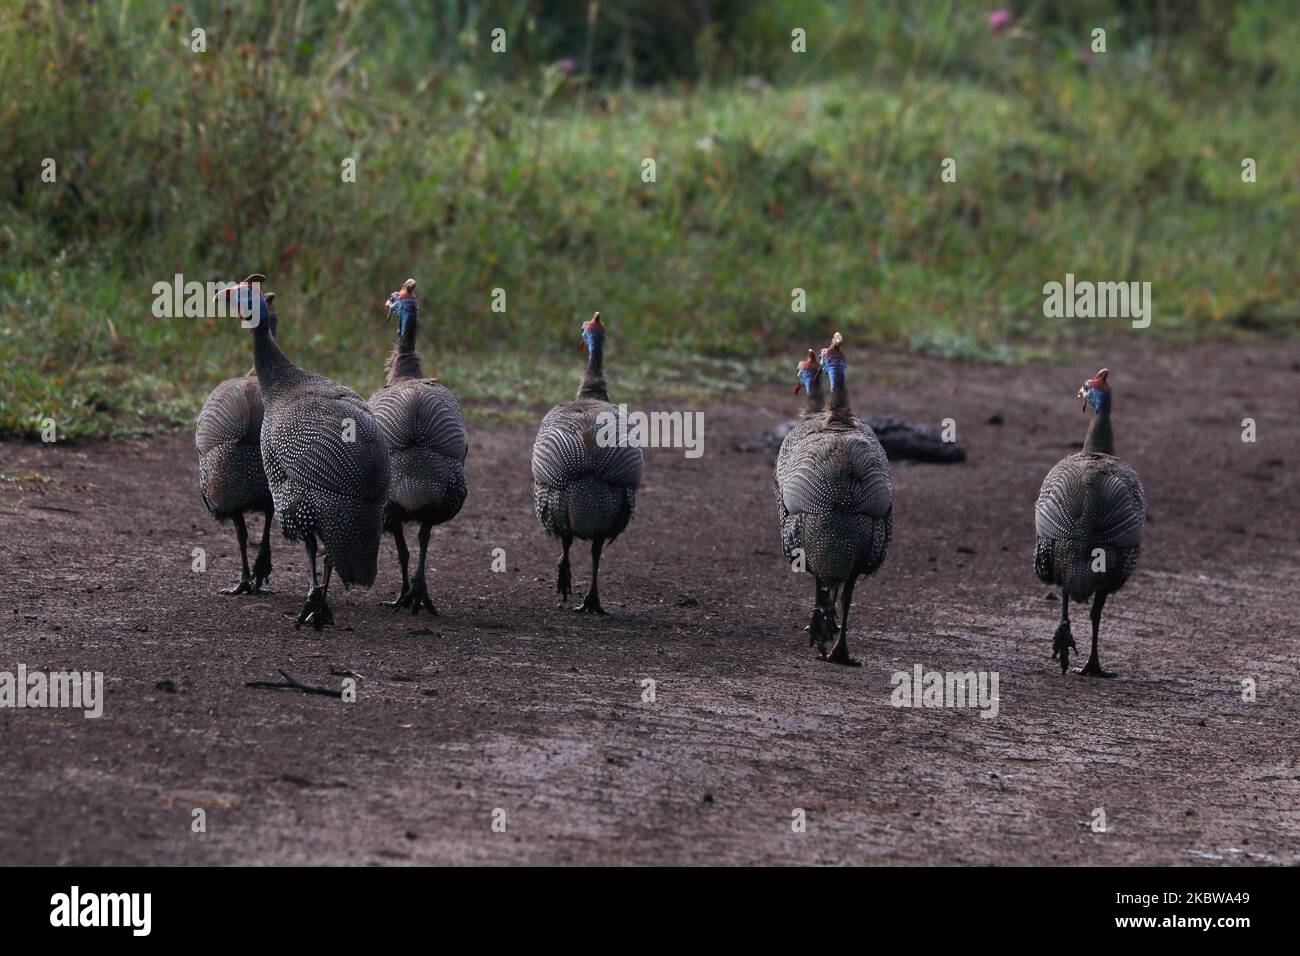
834 496
1089 519
231 477
582 487
326 460
425 429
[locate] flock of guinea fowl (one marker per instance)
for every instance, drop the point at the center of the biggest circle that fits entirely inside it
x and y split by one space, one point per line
337 472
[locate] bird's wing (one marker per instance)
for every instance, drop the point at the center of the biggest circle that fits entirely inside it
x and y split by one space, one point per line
232 413
330 444
1094 498
834 470
421 414
570 446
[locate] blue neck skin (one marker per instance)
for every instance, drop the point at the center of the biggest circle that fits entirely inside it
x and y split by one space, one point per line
1099 439
406 311
836 367
593 379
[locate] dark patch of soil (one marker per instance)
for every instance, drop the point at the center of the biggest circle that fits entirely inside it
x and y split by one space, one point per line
506 702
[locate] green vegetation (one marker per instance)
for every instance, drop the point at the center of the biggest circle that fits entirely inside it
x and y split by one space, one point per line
523 171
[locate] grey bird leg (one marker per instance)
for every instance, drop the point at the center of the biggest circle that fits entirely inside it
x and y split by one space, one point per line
840 652
404 559
828 611
822 627
419 586
1093 667
563 574
245 585
262 566
315 610
1063 641
591 603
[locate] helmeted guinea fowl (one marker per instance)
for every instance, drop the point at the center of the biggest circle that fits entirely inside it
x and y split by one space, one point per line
231 477
834 497
584 487
1089 519
326 461
425 429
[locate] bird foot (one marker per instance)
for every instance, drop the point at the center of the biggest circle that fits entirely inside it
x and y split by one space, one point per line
419 597
1093 669
590 605
403 599
245 586
840 655
821 628
564 581
1062 644
315 610
415 596
261 573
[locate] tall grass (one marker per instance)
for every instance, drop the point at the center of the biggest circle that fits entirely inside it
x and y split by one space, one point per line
522 172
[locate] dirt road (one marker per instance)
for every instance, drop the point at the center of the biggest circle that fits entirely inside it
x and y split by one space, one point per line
506 703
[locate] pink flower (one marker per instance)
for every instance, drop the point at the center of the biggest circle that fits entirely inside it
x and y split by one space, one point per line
998 20
567 65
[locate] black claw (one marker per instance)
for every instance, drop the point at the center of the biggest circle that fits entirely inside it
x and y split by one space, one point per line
419 598
843 661
840 655
1093 669
590 605
315 610
245 586
1062 644
822 629
261 573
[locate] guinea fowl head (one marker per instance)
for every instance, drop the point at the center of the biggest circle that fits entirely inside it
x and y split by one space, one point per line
245 300
807 372
593 334
1096 392
834 362
404 361
404 305
593 340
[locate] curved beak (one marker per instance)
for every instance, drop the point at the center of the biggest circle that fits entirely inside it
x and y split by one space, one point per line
1083 394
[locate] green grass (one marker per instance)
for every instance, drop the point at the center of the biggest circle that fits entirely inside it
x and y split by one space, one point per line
473 176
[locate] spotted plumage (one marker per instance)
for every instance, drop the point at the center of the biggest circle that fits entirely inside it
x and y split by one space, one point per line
834 496
1088 519
326 463
581 488
232 480
425 430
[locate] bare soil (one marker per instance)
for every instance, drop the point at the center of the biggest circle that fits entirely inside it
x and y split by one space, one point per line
505 701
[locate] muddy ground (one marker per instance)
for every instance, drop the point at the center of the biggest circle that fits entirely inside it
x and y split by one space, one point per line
506 702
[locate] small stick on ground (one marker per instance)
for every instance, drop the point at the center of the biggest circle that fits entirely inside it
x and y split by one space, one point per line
292 683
